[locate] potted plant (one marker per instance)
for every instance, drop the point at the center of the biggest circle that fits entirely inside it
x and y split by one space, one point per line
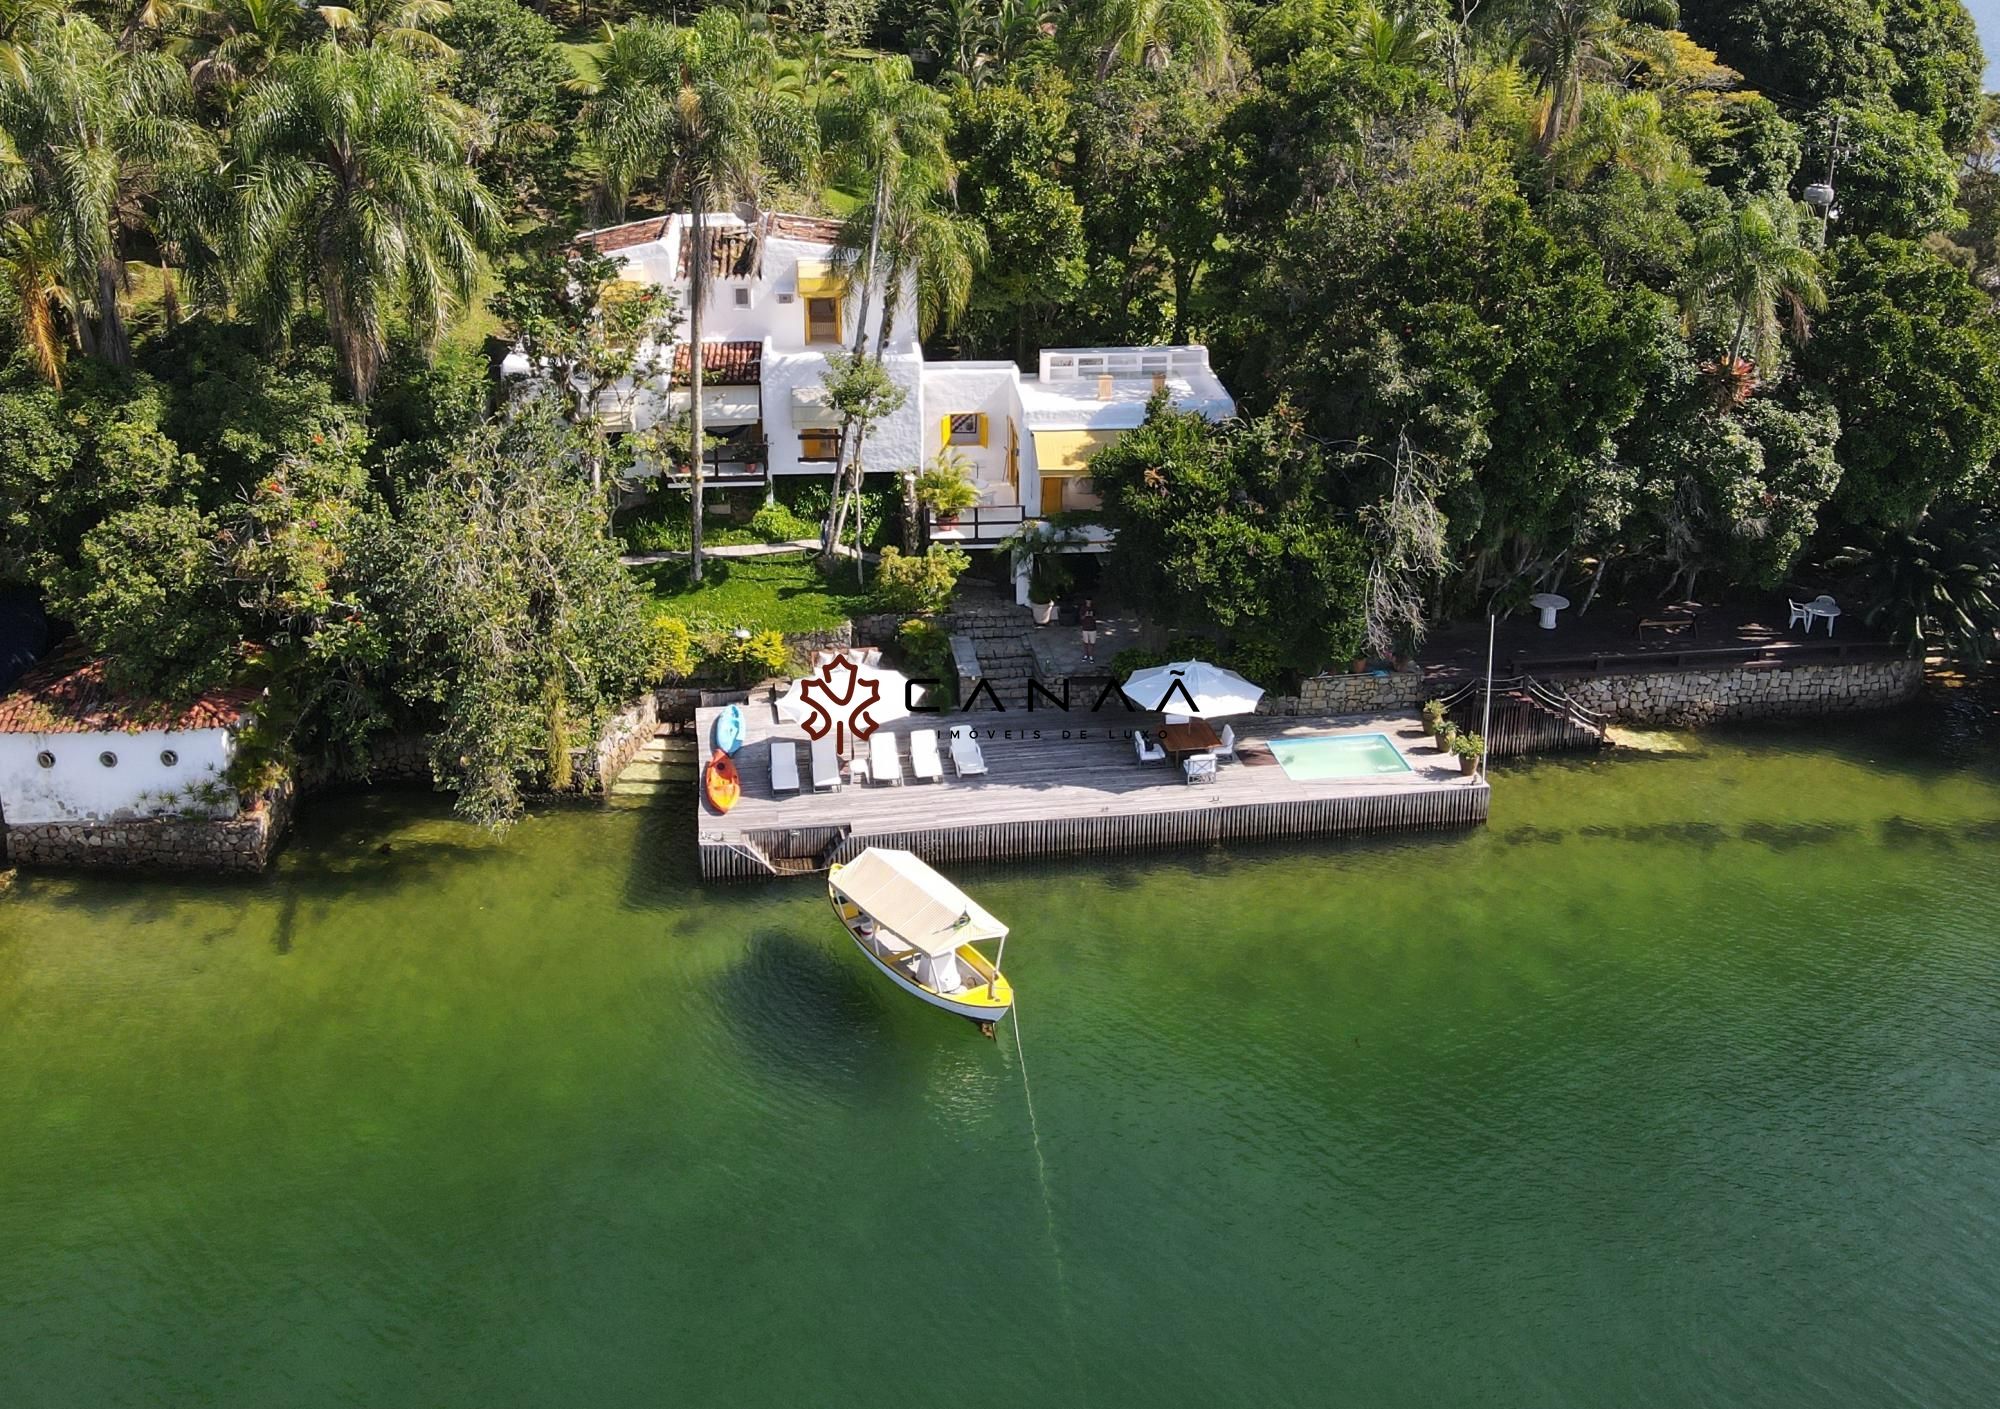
1433 717
946 489
1036 552
1446 733
1470 749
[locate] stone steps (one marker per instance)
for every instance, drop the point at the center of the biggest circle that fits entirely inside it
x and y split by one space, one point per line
665 768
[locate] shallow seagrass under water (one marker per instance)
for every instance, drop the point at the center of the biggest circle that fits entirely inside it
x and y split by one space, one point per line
1678 1084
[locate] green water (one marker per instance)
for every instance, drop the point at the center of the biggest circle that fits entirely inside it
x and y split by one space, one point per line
1677 1085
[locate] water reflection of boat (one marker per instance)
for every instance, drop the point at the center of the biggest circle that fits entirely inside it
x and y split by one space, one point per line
920 929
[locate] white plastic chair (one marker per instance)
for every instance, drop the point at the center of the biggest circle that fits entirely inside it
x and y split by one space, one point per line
1801 615
1148 751
1227 748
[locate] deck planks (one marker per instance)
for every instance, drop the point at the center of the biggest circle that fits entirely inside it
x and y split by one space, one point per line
1058 784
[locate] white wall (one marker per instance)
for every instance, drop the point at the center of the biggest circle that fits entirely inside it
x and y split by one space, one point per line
992 389
895 444
79 788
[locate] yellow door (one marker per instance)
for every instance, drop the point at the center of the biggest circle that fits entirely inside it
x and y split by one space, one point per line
1052 496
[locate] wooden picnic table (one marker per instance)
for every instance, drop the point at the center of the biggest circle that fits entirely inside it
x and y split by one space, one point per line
1195 736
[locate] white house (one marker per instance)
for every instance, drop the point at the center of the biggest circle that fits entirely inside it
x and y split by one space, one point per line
777 310
74 750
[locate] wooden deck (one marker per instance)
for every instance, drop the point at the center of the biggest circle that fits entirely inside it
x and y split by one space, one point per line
1062 784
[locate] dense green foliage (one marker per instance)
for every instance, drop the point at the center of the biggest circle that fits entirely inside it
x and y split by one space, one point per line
1512 297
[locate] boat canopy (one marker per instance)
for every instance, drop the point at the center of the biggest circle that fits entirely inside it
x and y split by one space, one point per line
900 892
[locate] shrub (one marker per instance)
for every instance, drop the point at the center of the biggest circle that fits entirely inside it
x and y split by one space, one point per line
774 523
919 584
674 652
1468 745
925 649
659 526
1135 658
945 489
762 655
1433 715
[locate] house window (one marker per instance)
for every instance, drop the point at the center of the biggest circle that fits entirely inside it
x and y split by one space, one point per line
819 446
966 428
822 320
742 298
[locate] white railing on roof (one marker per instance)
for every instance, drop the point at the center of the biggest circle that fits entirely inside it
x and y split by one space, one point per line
1072 364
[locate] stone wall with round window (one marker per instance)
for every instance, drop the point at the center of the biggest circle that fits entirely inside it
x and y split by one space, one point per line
46 759
168 758
108 759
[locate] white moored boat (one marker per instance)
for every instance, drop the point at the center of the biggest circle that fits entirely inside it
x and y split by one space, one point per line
920 929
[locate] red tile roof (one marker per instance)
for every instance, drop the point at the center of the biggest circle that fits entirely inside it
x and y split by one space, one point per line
802 227
723 363
61 696
613 238
732 254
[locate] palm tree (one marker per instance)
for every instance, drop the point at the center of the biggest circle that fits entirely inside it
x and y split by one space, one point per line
1151 33
960 34
15 18
1567 43
93 131
1752 263
1382 43
1019 26
354 185
401 24
920 242
1621 131
681 108
31 267
235 41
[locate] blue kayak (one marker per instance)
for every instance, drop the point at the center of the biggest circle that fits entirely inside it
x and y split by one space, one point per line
729 729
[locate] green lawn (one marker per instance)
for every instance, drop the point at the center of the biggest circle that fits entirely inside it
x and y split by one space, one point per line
787 592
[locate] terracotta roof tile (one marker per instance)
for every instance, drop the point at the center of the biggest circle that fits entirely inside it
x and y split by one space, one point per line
723 363
803 227
613 238
732 254
63 696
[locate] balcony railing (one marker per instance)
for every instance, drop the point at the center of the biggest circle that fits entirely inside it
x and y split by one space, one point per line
987 523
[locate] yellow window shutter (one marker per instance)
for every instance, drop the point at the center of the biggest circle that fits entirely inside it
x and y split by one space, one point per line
982 430
944 432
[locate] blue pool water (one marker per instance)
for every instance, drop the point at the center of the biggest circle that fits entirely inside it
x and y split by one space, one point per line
1338 756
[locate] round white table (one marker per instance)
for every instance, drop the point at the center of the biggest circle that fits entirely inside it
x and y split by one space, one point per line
1549 603
1824 609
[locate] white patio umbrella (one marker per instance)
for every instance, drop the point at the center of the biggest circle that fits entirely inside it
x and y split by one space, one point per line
817 693
1194 688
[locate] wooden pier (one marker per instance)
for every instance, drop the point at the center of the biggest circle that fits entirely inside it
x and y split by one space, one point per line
1063 784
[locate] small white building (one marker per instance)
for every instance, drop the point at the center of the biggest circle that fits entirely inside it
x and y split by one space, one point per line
777 310
74 750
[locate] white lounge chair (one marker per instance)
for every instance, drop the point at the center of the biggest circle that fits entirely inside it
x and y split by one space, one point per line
826 766
924 761
784 766
1227 748
1200 767
1148 751
885 761
966 759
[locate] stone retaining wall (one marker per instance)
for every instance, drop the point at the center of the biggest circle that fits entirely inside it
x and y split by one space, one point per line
595 768
1750 691
1367 693
244 842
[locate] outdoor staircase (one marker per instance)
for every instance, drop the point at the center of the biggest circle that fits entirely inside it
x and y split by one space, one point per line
1002 635
665 768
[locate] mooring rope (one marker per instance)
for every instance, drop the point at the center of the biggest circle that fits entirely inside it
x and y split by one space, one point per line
1049 1211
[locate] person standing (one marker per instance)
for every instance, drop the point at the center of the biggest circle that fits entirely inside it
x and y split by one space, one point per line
1087 620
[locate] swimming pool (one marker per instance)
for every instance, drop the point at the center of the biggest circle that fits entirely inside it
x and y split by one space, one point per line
1321 756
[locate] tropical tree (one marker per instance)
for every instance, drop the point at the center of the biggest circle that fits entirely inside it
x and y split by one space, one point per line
398 24
1567 43
15 18
355 187
94 133
863 393
680 109
39 300
960 34
235 41
1935 583
1152 33
1618 131
1752 264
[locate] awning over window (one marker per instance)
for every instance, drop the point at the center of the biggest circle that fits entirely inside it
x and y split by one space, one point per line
1068 452
816 280
810 410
